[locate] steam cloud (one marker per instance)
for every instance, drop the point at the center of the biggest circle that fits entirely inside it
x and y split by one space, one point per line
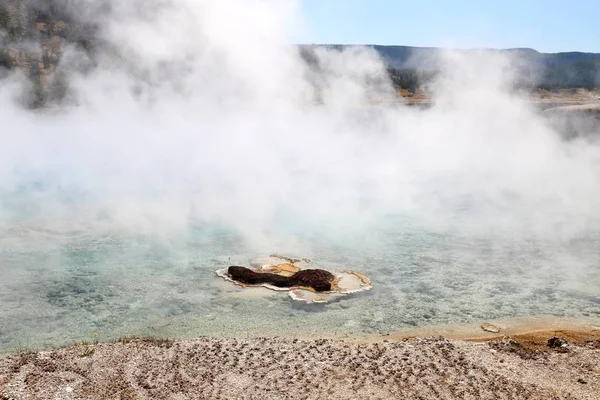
203 112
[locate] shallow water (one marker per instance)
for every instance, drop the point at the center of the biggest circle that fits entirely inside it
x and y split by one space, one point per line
62 283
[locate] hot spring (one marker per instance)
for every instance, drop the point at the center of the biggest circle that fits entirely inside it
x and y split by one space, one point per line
62 283
198 138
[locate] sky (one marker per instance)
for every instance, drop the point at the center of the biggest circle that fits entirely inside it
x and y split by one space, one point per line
545 25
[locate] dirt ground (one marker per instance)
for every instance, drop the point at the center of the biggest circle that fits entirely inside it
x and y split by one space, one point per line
516 367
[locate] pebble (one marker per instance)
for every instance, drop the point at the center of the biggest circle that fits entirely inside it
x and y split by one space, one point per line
490 328
555 342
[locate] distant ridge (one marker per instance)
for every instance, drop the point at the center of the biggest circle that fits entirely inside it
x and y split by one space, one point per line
562 70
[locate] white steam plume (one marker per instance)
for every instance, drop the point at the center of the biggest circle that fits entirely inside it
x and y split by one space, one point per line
205 112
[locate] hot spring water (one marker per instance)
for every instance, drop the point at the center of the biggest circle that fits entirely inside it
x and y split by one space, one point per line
63 282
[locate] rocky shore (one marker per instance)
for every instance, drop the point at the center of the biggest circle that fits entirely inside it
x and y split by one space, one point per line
542 365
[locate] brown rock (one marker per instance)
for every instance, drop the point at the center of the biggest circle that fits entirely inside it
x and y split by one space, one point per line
555 342
249 277
490 328
317 279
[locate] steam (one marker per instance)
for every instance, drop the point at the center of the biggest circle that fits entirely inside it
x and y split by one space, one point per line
202 112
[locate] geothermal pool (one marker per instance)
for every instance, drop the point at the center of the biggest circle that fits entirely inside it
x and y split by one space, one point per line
62 282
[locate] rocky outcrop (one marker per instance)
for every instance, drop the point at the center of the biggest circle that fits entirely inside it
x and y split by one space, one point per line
33 37
317 279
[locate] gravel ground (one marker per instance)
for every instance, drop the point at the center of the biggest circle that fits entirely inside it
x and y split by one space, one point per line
285 368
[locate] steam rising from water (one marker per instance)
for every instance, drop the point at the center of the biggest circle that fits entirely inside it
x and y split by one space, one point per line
207 114
204 115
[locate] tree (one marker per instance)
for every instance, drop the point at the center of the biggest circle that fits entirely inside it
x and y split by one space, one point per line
59 90
5 60
4 18
38 94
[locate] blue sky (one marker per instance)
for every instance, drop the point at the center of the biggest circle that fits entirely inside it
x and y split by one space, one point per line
548 26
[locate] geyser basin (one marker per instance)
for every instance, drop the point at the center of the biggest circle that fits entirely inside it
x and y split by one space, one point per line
281 273
61 284
194 143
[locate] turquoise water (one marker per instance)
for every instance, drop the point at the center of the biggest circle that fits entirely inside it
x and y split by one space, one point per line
62 281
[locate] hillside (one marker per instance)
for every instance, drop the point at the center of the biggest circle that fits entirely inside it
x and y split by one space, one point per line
549 71
32 38
543 70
